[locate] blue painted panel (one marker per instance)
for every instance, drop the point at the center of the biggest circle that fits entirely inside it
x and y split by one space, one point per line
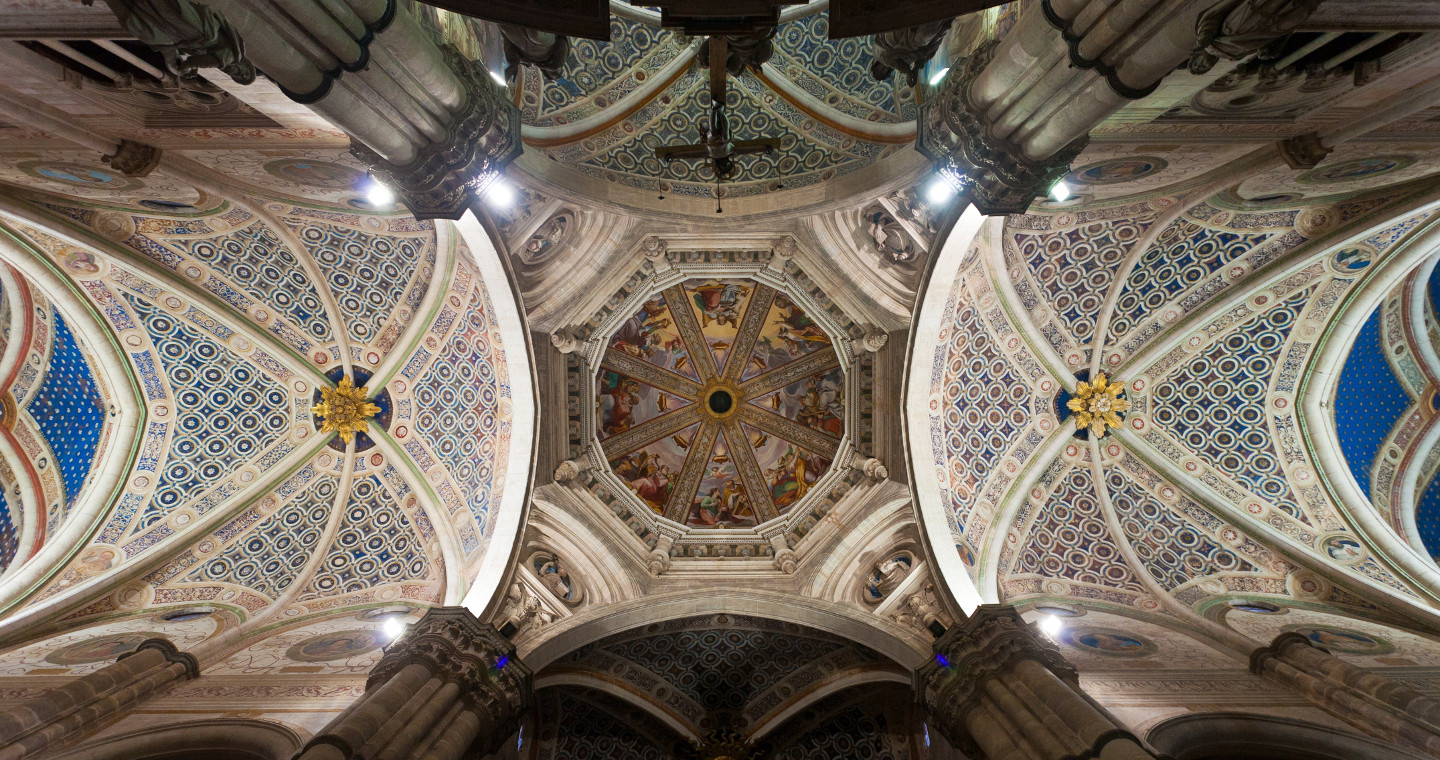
70 411
1368 403
9 536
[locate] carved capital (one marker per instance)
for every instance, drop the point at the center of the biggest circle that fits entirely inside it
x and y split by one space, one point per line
997 177
481 140
990 642
873 468
660 555
785 248
455 646
133 159
1303 151
570 469
871 342
565 343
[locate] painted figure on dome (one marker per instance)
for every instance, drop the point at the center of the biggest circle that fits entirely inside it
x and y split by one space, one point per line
724 505
820 407
719 302
800 333
639 336
623 394
651 479
792 476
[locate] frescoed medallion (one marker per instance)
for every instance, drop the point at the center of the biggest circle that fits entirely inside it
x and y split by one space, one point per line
100 648
79 175
1106 641
1355 169
338 645
1345 640
322 174
720 402
1343 549
1116 170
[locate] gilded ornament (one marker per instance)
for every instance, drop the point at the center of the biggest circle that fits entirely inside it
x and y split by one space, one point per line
344 409
1098 405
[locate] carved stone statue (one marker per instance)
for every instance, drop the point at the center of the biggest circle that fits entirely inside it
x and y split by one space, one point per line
190 36
906 50
543 50
891 240
887 576
546 241
1234 29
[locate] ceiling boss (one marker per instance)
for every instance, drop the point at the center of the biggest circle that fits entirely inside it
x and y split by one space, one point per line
1098 405
345 410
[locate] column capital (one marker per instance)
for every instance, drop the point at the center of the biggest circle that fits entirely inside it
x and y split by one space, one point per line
997 177
992 640
1277 648
482 139
170 652
455 646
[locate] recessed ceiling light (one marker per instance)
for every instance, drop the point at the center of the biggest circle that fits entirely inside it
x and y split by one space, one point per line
498 77
939 76
393 627
1051 625
1060 192
940 189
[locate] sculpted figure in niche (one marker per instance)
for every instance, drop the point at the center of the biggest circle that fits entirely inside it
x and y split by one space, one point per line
546 240
556 578
890 238
1236 28
886 576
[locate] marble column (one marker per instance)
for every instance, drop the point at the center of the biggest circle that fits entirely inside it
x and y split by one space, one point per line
998 691
32 726
450 687
1376 704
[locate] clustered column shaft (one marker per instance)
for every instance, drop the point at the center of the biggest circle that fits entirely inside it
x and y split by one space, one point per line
1372 702
997 692
32 726
449 685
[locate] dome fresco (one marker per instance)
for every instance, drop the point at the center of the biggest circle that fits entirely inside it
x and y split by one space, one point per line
720 402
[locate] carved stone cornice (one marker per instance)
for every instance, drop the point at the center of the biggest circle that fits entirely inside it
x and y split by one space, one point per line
170 652
482 139
997 177
990 642
455 646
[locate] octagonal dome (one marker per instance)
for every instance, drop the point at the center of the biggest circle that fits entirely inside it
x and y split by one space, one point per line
720 402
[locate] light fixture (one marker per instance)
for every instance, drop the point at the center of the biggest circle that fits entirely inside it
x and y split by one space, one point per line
499 194
939 76
1060 192
1051 625
941 189
378 195
498 77
393 627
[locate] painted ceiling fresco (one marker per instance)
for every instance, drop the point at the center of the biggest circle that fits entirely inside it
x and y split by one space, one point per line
1208 310
219 325
615 101
720 402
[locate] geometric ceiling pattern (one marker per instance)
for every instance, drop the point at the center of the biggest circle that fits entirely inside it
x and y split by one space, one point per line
222 325
613 103
1220 484
720 402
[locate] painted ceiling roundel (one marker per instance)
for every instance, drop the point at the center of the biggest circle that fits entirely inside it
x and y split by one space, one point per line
720 402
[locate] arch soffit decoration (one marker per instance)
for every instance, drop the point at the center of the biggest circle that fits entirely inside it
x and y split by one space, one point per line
1208 736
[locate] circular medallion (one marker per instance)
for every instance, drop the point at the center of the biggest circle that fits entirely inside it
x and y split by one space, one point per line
339 645
1108 642
1117 170
321 174
1354 169
1344 640
100 648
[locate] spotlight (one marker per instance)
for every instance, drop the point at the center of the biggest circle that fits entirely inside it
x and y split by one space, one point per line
1051 625
498 77
499 194
393 628
1060 192
939 76
940 190
378 195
